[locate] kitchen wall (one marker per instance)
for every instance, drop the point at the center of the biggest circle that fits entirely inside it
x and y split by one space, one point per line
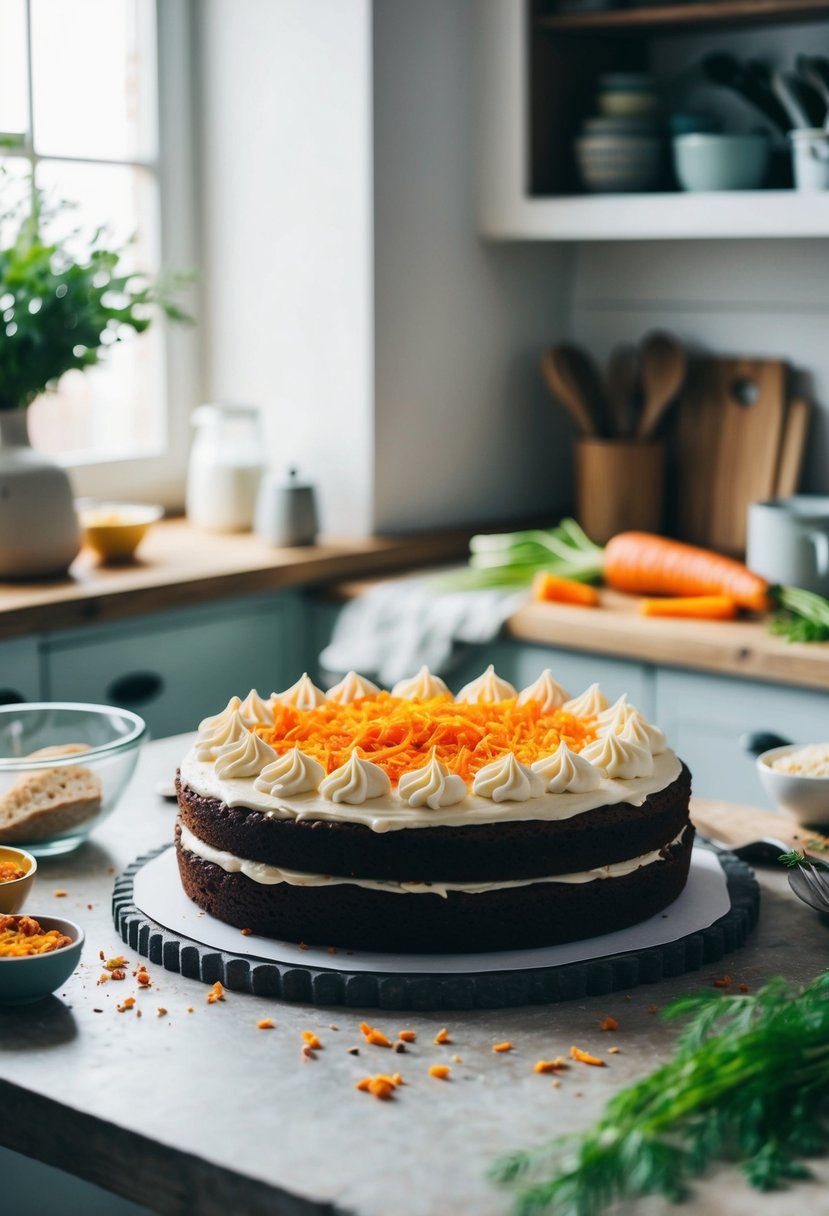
346 289
763 298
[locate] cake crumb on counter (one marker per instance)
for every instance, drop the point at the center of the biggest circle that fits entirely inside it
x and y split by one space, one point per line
216 993
608 1023
265 1024
442 1036
500 1048
584 1057
441 1071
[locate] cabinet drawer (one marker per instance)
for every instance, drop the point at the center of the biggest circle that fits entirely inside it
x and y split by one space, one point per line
178 669
705 718
19 671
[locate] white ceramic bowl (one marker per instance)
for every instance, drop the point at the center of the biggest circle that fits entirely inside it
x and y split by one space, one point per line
620 163
804 798
705 162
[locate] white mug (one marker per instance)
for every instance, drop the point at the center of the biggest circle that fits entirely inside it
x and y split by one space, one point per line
788 541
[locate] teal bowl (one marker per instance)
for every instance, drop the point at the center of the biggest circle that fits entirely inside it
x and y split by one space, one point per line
30 978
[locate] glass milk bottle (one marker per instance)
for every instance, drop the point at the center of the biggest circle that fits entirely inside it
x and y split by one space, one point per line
225 467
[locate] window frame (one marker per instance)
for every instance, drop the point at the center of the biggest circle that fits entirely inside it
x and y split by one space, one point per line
158 475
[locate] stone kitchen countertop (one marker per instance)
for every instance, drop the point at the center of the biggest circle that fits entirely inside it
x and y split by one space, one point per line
198 1110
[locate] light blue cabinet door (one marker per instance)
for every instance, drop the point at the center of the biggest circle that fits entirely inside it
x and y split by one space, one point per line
177 668
706 716
19 671
521 663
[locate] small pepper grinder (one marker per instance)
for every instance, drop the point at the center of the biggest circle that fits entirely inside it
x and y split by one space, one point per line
286 511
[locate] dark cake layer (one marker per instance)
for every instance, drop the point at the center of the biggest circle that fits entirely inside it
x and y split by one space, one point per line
358 918
478 853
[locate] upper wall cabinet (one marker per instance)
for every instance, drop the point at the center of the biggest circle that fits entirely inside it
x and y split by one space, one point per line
540 71
19 671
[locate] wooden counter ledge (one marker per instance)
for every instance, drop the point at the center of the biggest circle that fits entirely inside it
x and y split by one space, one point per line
178 566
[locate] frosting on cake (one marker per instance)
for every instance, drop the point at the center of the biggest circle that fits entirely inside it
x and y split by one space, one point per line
535 755
268 875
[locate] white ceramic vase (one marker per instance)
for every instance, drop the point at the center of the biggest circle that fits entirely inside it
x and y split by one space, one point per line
39 531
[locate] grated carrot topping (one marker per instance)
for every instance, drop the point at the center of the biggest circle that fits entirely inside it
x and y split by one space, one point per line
401 735
584 1057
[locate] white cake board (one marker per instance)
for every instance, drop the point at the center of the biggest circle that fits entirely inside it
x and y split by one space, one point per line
158 893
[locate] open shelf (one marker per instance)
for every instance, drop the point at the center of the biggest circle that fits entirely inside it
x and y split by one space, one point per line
775 214
701 15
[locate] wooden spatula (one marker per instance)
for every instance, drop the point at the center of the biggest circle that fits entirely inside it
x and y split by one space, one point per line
663 367
795 429
573 380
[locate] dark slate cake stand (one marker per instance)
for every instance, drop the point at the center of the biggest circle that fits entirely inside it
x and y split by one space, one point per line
336 985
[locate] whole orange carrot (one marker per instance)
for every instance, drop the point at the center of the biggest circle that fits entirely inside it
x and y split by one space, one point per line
645 564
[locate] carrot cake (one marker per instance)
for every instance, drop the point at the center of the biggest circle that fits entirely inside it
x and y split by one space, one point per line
418 821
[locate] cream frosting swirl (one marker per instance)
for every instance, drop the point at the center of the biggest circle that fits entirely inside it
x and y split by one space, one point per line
629 723
290 774
621 759
487 689
255 709
422 687
302 695
210 726
431 785
356 781
545 692
243 758
352 687
566 772
590 703
507 780
227 729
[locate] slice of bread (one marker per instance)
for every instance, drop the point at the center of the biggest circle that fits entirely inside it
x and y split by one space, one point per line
50 801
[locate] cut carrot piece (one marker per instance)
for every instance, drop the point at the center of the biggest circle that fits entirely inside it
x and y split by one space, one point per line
701 607
554 588
584 1057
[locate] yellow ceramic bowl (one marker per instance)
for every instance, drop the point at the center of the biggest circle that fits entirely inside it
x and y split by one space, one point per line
13 894
114 530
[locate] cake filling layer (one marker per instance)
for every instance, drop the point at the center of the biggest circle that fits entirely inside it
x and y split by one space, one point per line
269 875
388 813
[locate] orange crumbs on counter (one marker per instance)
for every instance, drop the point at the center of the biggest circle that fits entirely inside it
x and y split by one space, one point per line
608 1024
407 1036
400 735
380 1086
265 1024
442 1036
216 993
311 1039
441 1071
584 1057
21 936
372 1035
501 1047
723 982
116 963
545 1066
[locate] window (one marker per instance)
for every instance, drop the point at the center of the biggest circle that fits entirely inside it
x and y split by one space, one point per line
94 101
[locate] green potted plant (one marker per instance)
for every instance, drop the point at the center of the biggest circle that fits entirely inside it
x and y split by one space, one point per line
58 311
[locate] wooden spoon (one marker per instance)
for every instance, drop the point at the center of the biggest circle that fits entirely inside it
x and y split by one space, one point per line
663 365
573 380
622 374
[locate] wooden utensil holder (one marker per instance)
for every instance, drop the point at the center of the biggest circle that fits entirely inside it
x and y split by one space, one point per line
620 485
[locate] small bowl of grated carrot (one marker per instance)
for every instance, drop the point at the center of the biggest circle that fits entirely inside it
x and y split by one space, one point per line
17 875
37 956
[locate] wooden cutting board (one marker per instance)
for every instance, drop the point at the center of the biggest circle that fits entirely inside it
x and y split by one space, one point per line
733 824
730 429
792 448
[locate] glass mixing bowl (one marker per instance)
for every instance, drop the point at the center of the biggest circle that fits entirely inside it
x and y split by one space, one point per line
63 767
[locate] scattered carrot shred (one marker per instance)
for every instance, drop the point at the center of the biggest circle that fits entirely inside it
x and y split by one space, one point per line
699 607
501 1047
744 988
116 963
407 1036
442 1036
613 1051
216 993
544 1066
584 1057
608 1023
441 1071
380 1086
246 932
311 1039
723 982
400 735
374 1036
161 1012
265 1024
60 893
